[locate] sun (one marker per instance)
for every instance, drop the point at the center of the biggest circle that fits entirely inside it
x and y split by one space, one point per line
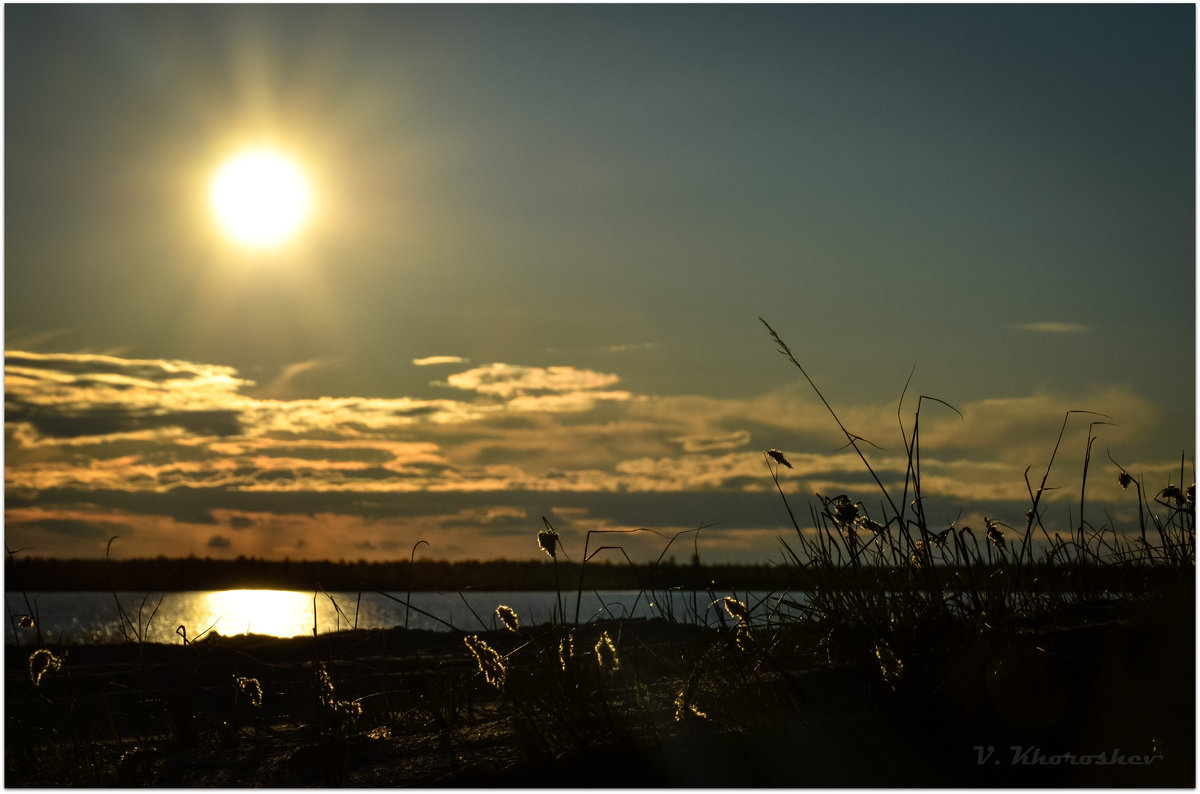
260 197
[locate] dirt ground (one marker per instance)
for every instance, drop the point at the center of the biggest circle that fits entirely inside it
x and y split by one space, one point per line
1101 703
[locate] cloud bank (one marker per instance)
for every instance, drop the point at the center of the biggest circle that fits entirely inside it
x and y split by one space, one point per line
182 457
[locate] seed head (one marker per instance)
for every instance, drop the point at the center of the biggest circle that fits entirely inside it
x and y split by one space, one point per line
508 617
874 527
43 661
844 511
328 695
252 688
684 707
1172 492
891 667
548 541
381 733
993 532
920 554
606 643
779 457
737 609
347 708
1124 479
566 650
490 662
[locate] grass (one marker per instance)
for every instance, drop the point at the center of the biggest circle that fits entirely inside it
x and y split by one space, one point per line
916 647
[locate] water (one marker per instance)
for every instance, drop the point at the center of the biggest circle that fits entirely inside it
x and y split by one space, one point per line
94 617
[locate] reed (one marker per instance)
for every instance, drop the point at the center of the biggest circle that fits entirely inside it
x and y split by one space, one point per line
878 581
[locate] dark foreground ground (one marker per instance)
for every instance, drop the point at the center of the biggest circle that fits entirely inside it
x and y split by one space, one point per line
1104 698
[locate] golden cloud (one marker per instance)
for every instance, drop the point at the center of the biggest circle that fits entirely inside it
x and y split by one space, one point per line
93 426
429 361
508 380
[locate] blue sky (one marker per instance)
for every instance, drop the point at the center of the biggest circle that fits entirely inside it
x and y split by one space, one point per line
541 241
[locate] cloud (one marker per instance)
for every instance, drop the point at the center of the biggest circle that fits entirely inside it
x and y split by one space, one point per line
627 348
218 542
175 453
1052 328
292 375
84 421
619 348
120 372
75 395
711 443
570 402
433 360
508 380
1023 430
70 527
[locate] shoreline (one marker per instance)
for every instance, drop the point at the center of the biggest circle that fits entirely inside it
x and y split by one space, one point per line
47 574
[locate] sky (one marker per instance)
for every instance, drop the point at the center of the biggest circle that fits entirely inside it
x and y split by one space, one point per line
540 243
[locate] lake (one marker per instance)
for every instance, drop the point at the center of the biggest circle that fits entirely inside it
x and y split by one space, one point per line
95 617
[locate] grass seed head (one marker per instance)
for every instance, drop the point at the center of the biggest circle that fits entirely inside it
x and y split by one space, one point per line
920 555
1172 492
844 511
874 527
779 457
993 532
736 609
508 616
1124 479
490 662
324 682
890 665
41 662
548 542
684 707
566 650
606 643
347 708
252 688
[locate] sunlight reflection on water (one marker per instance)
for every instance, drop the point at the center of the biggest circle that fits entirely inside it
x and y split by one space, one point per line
279 613
94 617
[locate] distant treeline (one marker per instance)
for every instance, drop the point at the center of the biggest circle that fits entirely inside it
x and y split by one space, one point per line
196 573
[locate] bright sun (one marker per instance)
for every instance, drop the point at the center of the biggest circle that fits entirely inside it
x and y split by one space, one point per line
261 198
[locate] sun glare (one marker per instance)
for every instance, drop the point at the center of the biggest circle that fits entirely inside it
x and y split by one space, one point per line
278 613
260 198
